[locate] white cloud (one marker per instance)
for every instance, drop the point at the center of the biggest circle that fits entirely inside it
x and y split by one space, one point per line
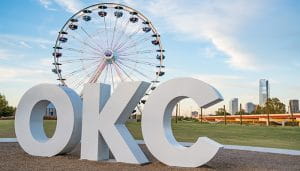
214 21
47 4
46 62
7 37
220 81
7 54
25 75
231 86
16 80
71 6
4 54
24 44
23 41
237 57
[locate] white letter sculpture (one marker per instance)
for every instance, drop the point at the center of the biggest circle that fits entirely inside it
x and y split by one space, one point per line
103 122
156 123
29 120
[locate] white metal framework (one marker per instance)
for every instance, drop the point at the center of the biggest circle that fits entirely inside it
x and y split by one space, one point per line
108 43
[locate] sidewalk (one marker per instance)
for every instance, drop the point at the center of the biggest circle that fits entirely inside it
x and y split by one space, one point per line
229 147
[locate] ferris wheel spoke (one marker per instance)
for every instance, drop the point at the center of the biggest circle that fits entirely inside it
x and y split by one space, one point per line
98 72
82 68
134 44
112 77
106 73
134 69
74 72
138 61
86 44
81 82
144 68
78 60
85 77
137 52
101 32
86 39
128 38
91 38
139 57
114 32
81 51
104 18
118 71
135 39
81 56
122 34
141 67
100 36
123 70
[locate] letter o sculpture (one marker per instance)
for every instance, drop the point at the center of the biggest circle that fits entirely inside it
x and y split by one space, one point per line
29 120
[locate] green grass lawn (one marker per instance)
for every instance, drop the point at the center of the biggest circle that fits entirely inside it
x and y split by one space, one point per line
7 129
250 135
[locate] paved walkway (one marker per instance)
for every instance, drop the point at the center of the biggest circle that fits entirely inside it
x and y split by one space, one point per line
8 140
230 147
263 150
248 148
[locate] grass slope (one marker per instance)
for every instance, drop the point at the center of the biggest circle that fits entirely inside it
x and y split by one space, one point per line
250 135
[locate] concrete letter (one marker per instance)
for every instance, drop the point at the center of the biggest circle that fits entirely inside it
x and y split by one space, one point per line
29 120
108 126
156 123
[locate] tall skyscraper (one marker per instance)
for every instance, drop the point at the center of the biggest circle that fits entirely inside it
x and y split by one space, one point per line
234 106
294 106
264 91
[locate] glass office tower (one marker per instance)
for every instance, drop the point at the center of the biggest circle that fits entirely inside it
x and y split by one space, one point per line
264 91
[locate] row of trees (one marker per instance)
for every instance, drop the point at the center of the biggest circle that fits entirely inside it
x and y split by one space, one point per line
5 109
221 112
272 106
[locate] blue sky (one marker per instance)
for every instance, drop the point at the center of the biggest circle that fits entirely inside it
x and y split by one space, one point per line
229 44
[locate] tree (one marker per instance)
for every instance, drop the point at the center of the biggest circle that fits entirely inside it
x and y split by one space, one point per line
5 109
220 112
243 112
272 106
258 110
275 106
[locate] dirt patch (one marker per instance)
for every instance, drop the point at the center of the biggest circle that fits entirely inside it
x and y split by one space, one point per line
12 157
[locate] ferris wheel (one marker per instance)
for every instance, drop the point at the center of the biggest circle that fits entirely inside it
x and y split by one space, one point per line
108 43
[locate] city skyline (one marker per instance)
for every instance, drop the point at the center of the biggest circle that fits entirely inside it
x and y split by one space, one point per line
226 44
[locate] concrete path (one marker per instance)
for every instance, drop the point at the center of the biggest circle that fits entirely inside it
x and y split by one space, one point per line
8 140
263 150
230 147
248 148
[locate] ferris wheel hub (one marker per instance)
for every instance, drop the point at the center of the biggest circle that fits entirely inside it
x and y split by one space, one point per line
109 56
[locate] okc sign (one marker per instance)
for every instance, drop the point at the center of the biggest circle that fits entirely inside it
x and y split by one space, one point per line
98 122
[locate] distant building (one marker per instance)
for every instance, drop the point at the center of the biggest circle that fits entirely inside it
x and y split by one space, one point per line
234 106
50 110
250 107
294 106
264 91
195 114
